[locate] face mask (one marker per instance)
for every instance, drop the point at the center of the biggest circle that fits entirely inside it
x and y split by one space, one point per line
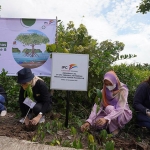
110 88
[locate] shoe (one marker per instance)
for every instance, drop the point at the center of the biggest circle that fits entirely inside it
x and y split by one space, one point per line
21 120
42 120
3 113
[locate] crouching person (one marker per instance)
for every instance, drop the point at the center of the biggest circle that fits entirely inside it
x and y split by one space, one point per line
41 96
114 111
141 104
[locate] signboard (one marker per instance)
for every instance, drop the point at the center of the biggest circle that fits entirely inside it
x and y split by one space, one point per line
69 71
23 44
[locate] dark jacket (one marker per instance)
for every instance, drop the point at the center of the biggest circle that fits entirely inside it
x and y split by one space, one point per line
40 94
2 92
141 100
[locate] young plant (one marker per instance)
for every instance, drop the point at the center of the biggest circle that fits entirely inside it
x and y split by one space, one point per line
104 136
34 139
28 92
54 126
66 143
59 125
55 142
47 127
98 97
77 144
40 134
73 131
91 142
109 145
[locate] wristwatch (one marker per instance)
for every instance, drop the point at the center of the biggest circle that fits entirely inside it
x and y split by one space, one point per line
147 111
40 113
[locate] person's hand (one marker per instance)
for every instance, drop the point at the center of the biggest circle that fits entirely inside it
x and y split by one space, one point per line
85 127
35 120
148 112
101 122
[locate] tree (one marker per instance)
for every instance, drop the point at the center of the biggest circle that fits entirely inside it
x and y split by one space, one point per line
32 40
102 55
144 6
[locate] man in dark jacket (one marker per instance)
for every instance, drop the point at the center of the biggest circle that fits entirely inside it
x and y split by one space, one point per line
3 110
41 96
141 104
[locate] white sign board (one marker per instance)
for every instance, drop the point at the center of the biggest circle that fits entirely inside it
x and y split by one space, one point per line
69 71
23 44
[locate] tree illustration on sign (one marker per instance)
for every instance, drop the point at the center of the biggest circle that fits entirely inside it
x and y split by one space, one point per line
32 39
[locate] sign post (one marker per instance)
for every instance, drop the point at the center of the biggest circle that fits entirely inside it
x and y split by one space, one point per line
67 109
70 73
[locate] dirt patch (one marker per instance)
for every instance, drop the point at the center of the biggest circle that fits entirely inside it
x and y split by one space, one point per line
11 127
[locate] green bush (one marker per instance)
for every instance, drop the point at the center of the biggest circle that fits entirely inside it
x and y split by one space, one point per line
12 89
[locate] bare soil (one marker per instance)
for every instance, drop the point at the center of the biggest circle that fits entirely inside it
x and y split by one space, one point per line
133 139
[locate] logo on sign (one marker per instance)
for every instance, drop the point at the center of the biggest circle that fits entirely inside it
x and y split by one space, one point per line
64 67
67 68
71 66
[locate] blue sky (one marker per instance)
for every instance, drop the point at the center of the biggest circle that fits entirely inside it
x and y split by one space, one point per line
104 19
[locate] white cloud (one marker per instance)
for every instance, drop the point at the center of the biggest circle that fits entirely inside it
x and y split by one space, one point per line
136 44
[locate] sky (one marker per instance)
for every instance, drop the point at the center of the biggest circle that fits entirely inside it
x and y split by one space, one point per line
114 20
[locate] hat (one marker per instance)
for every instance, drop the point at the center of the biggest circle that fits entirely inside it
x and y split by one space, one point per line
25 75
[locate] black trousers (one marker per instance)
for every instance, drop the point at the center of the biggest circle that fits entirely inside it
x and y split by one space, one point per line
33 112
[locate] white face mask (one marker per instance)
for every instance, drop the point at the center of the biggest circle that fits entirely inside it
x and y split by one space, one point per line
110 88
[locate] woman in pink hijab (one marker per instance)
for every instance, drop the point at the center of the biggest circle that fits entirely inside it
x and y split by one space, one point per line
114 111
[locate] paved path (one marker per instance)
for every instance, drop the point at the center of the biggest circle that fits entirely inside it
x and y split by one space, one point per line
7 143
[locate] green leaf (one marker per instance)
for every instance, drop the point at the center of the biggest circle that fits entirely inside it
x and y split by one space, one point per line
99 93
73 131
91 138
96 100
89 93
109 145
57 142
103 135
98 108
74 144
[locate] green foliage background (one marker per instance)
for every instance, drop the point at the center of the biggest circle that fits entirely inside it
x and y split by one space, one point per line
102 55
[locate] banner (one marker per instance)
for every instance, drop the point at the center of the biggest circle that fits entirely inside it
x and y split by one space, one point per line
69 71
23 44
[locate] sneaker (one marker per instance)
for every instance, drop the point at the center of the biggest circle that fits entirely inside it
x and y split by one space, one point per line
21 120
3 113
42 120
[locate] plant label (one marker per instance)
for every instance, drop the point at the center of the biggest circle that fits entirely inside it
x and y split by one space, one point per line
29 102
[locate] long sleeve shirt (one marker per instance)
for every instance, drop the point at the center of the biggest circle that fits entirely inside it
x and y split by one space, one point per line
120 108
40 94
141 100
